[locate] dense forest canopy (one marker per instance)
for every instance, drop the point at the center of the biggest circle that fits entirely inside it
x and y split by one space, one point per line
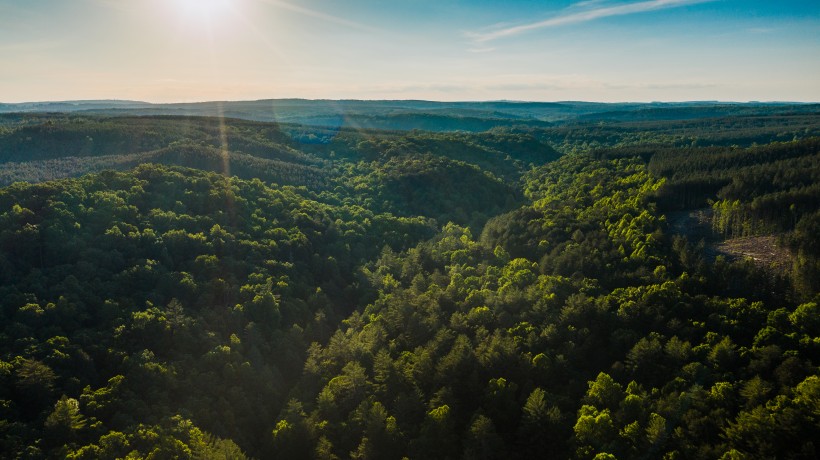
194 287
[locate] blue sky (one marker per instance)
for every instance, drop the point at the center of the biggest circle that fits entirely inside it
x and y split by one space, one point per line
598 50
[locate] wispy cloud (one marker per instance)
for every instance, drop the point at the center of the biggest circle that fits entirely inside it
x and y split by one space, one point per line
595 11
586 3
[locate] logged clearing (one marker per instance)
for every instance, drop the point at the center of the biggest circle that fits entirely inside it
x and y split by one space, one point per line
764 251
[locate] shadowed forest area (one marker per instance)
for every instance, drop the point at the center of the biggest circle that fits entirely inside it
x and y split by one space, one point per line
490 282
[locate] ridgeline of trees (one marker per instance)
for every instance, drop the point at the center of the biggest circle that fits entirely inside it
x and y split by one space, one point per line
158 292
245 289
617 342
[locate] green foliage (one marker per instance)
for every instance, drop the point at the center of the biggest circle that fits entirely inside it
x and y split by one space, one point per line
475 337
163 291
417 295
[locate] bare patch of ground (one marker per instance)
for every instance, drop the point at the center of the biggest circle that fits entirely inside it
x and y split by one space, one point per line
763 251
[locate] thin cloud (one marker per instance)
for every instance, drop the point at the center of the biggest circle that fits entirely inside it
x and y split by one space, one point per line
586 3
584 16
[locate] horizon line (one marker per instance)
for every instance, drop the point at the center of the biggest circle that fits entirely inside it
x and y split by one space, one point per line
454 101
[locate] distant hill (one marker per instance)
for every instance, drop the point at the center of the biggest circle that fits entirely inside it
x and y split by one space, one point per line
426 115
474 170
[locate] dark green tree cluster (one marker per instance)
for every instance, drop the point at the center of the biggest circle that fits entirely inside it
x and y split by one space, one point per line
693 131
133 297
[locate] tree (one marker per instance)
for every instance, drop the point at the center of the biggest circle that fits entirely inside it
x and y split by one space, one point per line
482 442
65 422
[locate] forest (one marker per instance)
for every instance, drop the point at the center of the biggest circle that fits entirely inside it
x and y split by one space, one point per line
434 282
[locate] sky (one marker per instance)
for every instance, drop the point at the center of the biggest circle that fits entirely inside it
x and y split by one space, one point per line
448 50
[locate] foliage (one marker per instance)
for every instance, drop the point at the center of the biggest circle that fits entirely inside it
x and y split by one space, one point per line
391 294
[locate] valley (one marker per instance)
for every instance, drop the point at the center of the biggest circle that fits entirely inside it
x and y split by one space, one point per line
419 280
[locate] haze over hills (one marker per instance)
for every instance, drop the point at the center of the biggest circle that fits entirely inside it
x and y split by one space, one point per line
425 115
71 138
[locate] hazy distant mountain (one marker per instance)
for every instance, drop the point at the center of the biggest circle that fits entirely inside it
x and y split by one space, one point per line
414 114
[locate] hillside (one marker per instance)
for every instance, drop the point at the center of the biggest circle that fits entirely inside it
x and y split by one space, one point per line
36 147
187 287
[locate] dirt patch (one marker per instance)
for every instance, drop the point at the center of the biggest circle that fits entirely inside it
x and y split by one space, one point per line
762 250
696 224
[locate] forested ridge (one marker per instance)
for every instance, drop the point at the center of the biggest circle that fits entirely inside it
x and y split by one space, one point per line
222 288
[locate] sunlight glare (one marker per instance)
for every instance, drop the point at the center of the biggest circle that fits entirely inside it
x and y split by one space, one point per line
203 11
